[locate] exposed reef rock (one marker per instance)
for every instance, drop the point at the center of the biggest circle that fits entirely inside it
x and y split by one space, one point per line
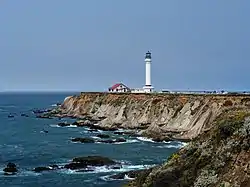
83 140
49 168
10 169
218 157
84 162
157 116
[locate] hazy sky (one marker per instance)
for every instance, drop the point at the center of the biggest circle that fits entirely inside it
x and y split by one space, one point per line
90 44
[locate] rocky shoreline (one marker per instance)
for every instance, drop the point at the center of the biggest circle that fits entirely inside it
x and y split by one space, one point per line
217 127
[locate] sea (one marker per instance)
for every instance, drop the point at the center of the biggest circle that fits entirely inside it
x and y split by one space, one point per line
23 141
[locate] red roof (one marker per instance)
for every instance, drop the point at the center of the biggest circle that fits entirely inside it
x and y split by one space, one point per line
116 86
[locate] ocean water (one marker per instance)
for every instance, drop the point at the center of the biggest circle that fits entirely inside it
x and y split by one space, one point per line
23 142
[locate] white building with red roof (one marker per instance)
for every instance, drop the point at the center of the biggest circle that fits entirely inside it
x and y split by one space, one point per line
119 87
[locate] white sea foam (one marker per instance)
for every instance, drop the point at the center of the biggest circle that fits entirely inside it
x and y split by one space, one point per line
106 169
176 145
125 169
54 125
126 177
71 126
118 143
145 139
95 137
127 141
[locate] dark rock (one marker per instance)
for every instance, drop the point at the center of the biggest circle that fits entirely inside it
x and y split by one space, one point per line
106 141
103 136
24 115
93 130
11 168
11 116
115 167
83 140
75 165
120 140
94 160
63 124
49 168
40 169
84 162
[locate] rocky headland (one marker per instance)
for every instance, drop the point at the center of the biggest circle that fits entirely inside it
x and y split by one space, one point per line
218 127
158 116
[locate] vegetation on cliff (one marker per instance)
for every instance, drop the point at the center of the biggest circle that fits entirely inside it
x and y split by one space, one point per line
219 157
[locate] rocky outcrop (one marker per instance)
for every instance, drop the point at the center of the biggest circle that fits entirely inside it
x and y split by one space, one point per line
84 162
10 169
49 168
90 140
218 157
83 140
176 116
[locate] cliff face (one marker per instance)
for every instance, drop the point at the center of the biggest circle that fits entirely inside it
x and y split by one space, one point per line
185 116
217 158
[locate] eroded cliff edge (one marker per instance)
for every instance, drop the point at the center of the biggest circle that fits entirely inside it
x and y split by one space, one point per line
219 157
177 116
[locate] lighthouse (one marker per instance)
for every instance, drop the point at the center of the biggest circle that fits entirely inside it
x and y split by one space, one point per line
148 87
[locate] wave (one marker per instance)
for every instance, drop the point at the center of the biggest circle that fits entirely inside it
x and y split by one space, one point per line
116 143
126 169
127 141
177 145
106 169
95 137
55 105
70 126
145 139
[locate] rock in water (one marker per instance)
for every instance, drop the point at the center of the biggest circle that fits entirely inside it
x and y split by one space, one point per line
40 169
104 136
24 115
83 162
120 140
63 124
94 160
10 168
49 168
10 116
83 140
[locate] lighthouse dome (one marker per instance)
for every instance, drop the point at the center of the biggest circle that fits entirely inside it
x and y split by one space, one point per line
148 55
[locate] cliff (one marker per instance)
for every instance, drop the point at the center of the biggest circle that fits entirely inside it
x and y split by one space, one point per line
219 157
175 116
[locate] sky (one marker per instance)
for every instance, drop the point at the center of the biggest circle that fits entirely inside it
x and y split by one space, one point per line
89 45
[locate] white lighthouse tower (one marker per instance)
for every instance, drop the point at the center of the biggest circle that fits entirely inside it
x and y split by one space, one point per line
148 87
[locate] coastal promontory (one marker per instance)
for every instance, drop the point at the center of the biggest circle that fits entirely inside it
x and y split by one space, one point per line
177 116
